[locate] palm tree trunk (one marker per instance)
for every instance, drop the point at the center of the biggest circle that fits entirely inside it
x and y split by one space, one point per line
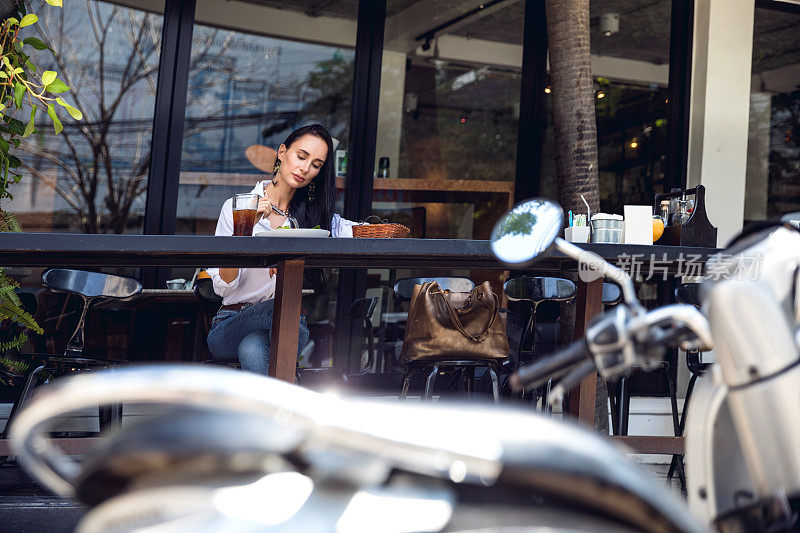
575 129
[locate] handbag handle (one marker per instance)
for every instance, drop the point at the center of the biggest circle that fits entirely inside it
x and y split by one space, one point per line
457 321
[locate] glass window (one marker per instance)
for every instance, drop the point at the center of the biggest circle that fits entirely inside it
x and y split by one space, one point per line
92 177
773 151
448 116
258 71
630 64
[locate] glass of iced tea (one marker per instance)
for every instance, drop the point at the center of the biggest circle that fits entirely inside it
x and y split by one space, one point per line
244 213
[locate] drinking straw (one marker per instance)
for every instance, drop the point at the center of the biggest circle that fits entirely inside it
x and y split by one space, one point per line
588 211
570 218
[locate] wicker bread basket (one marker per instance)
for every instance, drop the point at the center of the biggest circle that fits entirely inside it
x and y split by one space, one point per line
380 230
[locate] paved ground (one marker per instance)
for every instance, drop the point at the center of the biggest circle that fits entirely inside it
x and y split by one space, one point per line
27 508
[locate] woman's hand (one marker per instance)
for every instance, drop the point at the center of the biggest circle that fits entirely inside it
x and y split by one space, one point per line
264 207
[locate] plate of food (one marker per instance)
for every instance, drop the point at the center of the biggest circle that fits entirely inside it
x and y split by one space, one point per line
295 232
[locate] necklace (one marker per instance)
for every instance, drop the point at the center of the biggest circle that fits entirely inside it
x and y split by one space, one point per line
284 213
279 211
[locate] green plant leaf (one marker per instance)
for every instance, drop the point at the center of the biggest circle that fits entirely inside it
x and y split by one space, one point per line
3 75
14 126
58 86
56 3
48 77
51 111
19 92
36 43
12 21
13 161
30 66
15 142
31 126
28 19
75 113
4 146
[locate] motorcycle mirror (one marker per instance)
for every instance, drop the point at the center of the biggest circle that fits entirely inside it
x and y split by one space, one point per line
526 231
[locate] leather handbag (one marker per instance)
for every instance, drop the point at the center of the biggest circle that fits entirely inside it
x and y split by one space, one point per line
454 326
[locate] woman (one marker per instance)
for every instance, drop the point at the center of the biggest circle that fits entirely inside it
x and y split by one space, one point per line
301 192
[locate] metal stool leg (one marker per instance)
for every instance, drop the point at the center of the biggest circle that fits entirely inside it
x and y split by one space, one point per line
546 408
406 384
24 396
676 459
495 384
109 416
430 382
624 405
673 465
613 402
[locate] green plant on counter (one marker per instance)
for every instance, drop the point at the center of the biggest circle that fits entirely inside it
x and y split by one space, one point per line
24 91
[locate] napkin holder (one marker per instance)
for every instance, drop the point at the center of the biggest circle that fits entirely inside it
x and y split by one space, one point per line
697 231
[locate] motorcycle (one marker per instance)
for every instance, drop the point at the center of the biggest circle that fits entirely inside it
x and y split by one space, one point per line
233 451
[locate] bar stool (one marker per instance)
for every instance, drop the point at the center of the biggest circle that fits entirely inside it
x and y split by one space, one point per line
619 393
535 290
687 293
465 368
91 287
361 309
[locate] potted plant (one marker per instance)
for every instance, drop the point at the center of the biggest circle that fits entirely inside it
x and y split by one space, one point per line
28 93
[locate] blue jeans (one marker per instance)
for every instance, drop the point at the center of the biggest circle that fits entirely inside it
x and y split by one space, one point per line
245 335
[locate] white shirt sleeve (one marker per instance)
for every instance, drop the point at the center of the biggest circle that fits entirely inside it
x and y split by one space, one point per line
224 228
341 227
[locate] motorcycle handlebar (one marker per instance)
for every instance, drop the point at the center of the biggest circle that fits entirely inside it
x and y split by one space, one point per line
531 376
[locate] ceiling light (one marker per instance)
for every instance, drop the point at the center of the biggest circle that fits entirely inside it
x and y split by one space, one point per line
609 24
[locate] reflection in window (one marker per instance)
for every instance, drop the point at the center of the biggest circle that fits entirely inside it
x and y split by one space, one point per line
630 63
92 177
246 93
448 116
773 151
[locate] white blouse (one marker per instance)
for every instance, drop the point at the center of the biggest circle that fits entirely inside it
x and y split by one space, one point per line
255 284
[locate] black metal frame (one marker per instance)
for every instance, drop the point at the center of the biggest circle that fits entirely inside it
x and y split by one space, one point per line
363 140
532 108
680 81
162 190
170 108
167 141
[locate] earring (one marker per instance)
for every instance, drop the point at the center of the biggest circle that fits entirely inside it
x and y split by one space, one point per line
312 188
275 168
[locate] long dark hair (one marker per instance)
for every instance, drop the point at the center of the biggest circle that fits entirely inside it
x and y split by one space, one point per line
319 211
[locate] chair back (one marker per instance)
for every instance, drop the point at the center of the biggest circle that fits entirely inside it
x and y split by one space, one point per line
537 289
91 284
687 293
204 289
612 293
404 287
362 309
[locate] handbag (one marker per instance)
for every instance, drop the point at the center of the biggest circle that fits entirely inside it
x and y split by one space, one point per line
444 325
